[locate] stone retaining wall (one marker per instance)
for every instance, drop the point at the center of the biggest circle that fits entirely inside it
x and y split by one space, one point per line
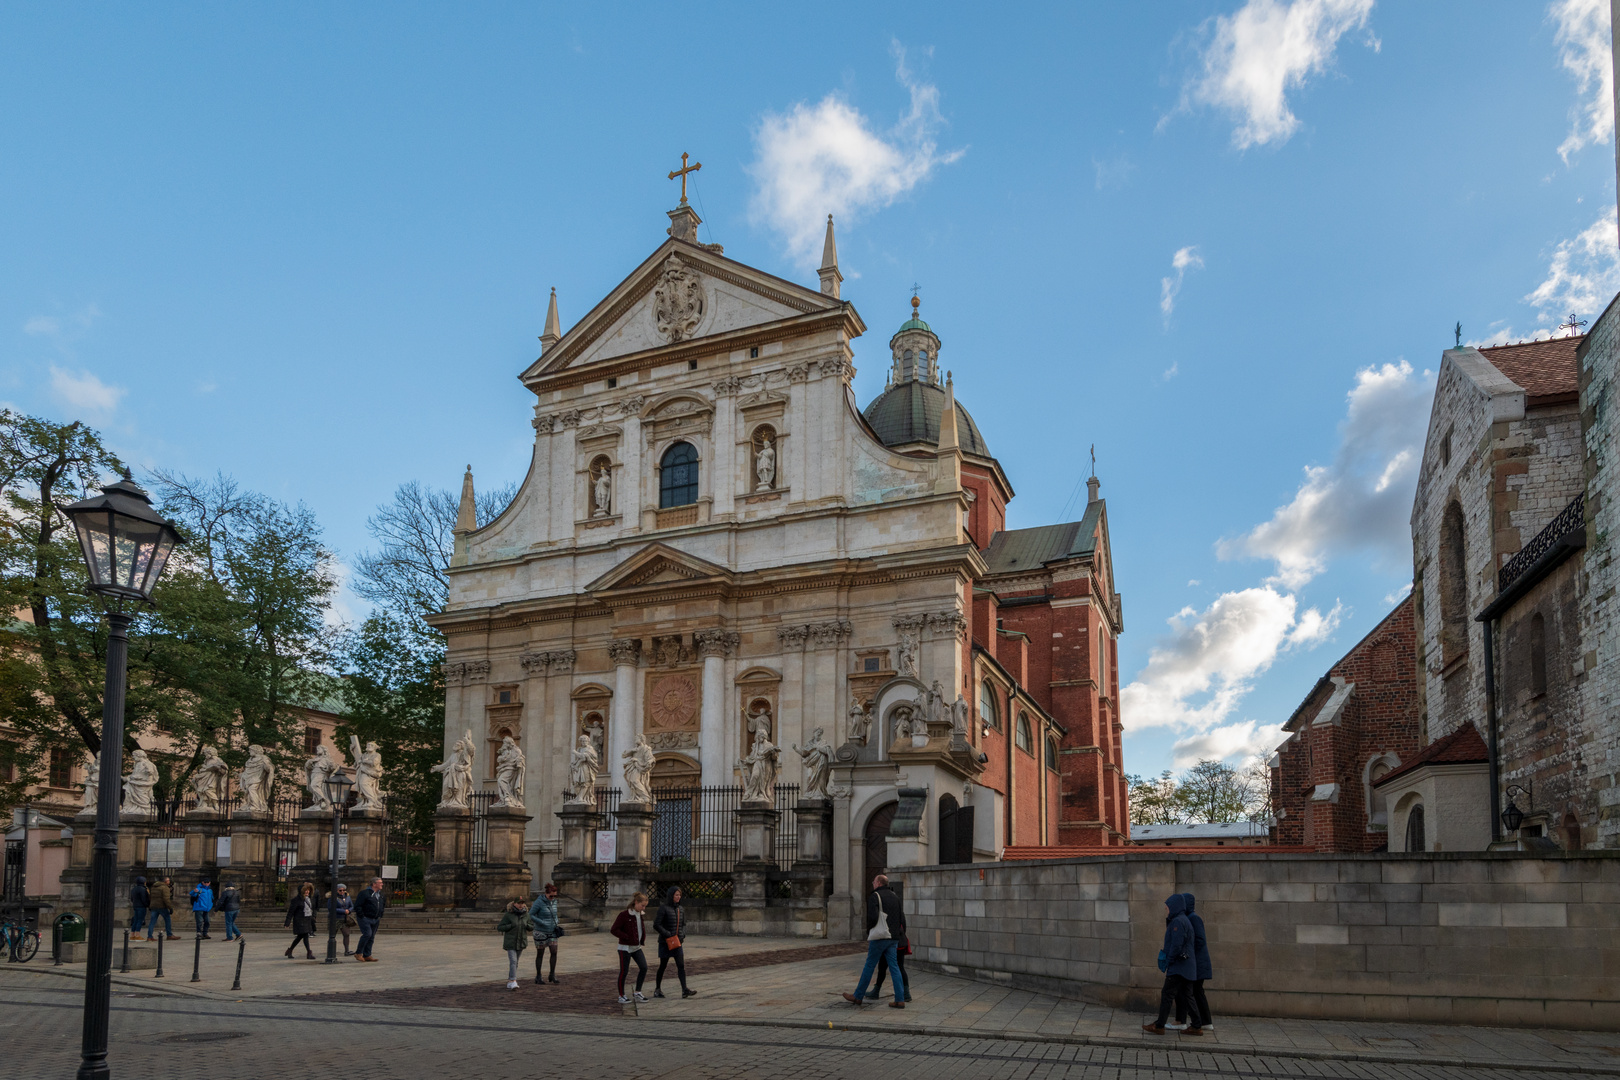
1499 939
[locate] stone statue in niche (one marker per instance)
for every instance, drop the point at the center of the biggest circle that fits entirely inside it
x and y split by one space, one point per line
817 756
959 715
510 766
638 767
582 766
209 782
368 773
762 765
316 771
602 491
256 779
598 737
92 783
765 466
910 722
936 703
908 655
860 721
143 776
457 770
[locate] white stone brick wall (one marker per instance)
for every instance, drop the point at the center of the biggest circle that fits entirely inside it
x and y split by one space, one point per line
1600 627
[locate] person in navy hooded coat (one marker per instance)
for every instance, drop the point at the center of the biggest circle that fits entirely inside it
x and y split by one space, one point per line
1205 970
1180 967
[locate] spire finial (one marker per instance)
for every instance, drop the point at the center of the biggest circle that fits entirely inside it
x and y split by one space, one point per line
553 331
829 272
1092 483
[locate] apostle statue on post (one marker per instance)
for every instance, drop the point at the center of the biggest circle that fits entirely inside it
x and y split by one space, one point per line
638 766
256 780
510 765
456 793
368 771
316 772
143 776
583 764
817 756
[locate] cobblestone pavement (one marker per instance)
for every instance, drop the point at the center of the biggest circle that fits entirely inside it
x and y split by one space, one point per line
167 1037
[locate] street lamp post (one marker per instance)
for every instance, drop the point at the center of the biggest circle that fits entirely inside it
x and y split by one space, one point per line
337 790
125 544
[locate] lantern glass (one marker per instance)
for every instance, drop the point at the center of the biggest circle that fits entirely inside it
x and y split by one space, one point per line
337 788
1512 817
125 542
96 541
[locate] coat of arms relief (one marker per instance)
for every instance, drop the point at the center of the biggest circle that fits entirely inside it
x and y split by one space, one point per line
677 301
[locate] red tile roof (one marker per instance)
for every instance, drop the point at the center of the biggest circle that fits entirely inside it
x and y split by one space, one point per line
1546 369
1461 747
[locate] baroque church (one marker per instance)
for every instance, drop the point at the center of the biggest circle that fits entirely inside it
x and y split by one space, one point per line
714 539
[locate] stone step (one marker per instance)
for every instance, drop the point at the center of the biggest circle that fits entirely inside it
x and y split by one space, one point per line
402 920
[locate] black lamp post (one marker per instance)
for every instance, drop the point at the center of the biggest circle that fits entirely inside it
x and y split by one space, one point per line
337 790
125 544
1513 817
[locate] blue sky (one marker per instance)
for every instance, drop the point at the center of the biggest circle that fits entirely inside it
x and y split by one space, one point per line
1222 241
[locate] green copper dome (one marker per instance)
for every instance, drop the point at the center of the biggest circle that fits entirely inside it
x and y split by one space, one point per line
914 324
909 412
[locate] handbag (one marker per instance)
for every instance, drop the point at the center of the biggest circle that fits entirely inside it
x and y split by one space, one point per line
673 942
880 929
557 933
1164 961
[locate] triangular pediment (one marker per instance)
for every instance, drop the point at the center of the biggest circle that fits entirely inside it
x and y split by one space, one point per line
657 564
682 292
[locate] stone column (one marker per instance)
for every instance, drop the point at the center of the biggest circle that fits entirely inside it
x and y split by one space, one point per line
626 654
504 876
714 646
633 859
450 873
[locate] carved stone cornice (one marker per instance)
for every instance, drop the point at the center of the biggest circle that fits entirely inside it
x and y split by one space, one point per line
569 417
534 663
826 635
466 671
910 624
727 386
716 642
837 366
948 622
792 637
798 372
561 663
625 652
543 424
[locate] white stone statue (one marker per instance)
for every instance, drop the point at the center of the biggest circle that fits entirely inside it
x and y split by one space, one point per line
509 769
762 765
765 466
602 494
936 703
92 783
456 793
316 771
598 738
959 715
860 722
908 656
908 721
256 781
209 782
582 766
143 776
368 771
638 767
817 756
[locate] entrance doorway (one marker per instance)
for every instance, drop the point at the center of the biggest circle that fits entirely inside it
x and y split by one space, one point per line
877 844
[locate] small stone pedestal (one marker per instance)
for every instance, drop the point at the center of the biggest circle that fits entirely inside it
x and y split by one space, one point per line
814 818
504 876
75 880
314 837
812 872
253 867
450 875
368 847
633 861
756 850
576 870
201 860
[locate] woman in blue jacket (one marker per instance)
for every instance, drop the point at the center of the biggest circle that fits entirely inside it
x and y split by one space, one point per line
1205 971
1179 966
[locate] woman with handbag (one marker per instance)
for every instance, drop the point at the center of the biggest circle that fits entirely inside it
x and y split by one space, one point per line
547 929
670 926
631 930
345 914
301 917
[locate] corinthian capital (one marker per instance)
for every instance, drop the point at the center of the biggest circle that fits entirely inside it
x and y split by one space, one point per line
716 642
792 637
625 652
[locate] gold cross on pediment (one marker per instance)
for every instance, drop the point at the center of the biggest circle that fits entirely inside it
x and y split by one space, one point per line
682 171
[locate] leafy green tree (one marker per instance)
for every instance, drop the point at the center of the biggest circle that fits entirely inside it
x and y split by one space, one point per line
1213 791
1154 801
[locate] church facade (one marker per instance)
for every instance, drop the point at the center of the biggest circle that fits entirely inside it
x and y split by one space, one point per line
714 540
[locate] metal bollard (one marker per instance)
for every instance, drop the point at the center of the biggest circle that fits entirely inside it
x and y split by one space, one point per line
196 960
241 948
56 945
124 970
159 974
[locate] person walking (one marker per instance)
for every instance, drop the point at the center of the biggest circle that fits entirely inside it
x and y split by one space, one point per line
230 904
902 949
883 916
631 930
1204 971
670 926
140 898
547 928
1179 967
514 928
162 907
202 902
345 916
301 917
368 912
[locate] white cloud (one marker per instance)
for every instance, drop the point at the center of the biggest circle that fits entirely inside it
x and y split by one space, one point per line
85 392
1584 48
1172 371
1584 272
1196 676
1113 173
1364 497
1184 259
1264 50
1398 595
1242 740
826 158
43 326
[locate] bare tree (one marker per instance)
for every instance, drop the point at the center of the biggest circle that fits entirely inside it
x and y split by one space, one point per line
407 573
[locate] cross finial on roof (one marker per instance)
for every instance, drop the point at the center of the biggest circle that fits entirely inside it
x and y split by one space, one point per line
1458 332
1093 459
1573 325
682 171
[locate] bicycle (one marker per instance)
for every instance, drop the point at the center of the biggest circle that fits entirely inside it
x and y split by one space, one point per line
22 942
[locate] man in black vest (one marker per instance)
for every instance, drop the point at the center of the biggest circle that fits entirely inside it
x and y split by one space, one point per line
368 912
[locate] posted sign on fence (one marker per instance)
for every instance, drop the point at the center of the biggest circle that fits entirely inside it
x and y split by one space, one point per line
607 846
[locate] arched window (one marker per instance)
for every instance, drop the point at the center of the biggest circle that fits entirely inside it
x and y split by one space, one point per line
1453 585
906 365
1415 839
678 476
1538 655
1052 754
987 706
1023 736
1102 664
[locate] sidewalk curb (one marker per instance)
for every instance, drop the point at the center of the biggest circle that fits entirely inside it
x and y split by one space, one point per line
154 985
1113 1042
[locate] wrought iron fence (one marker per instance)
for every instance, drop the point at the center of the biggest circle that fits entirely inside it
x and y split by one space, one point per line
1571 518
696 829
16 863
480 801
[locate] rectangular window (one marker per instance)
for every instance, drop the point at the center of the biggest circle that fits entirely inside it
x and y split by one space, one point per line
312 739
505 697
871 663
691 365
61 767
612 382
753 353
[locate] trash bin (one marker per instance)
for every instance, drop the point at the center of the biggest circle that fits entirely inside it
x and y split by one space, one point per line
70 926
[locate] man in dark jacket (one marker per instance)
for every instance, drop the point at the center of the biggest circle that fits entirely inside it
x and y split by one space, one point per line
162 907
1205 971
1180 969
670 926
884 916
368 912
230 902
139 900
